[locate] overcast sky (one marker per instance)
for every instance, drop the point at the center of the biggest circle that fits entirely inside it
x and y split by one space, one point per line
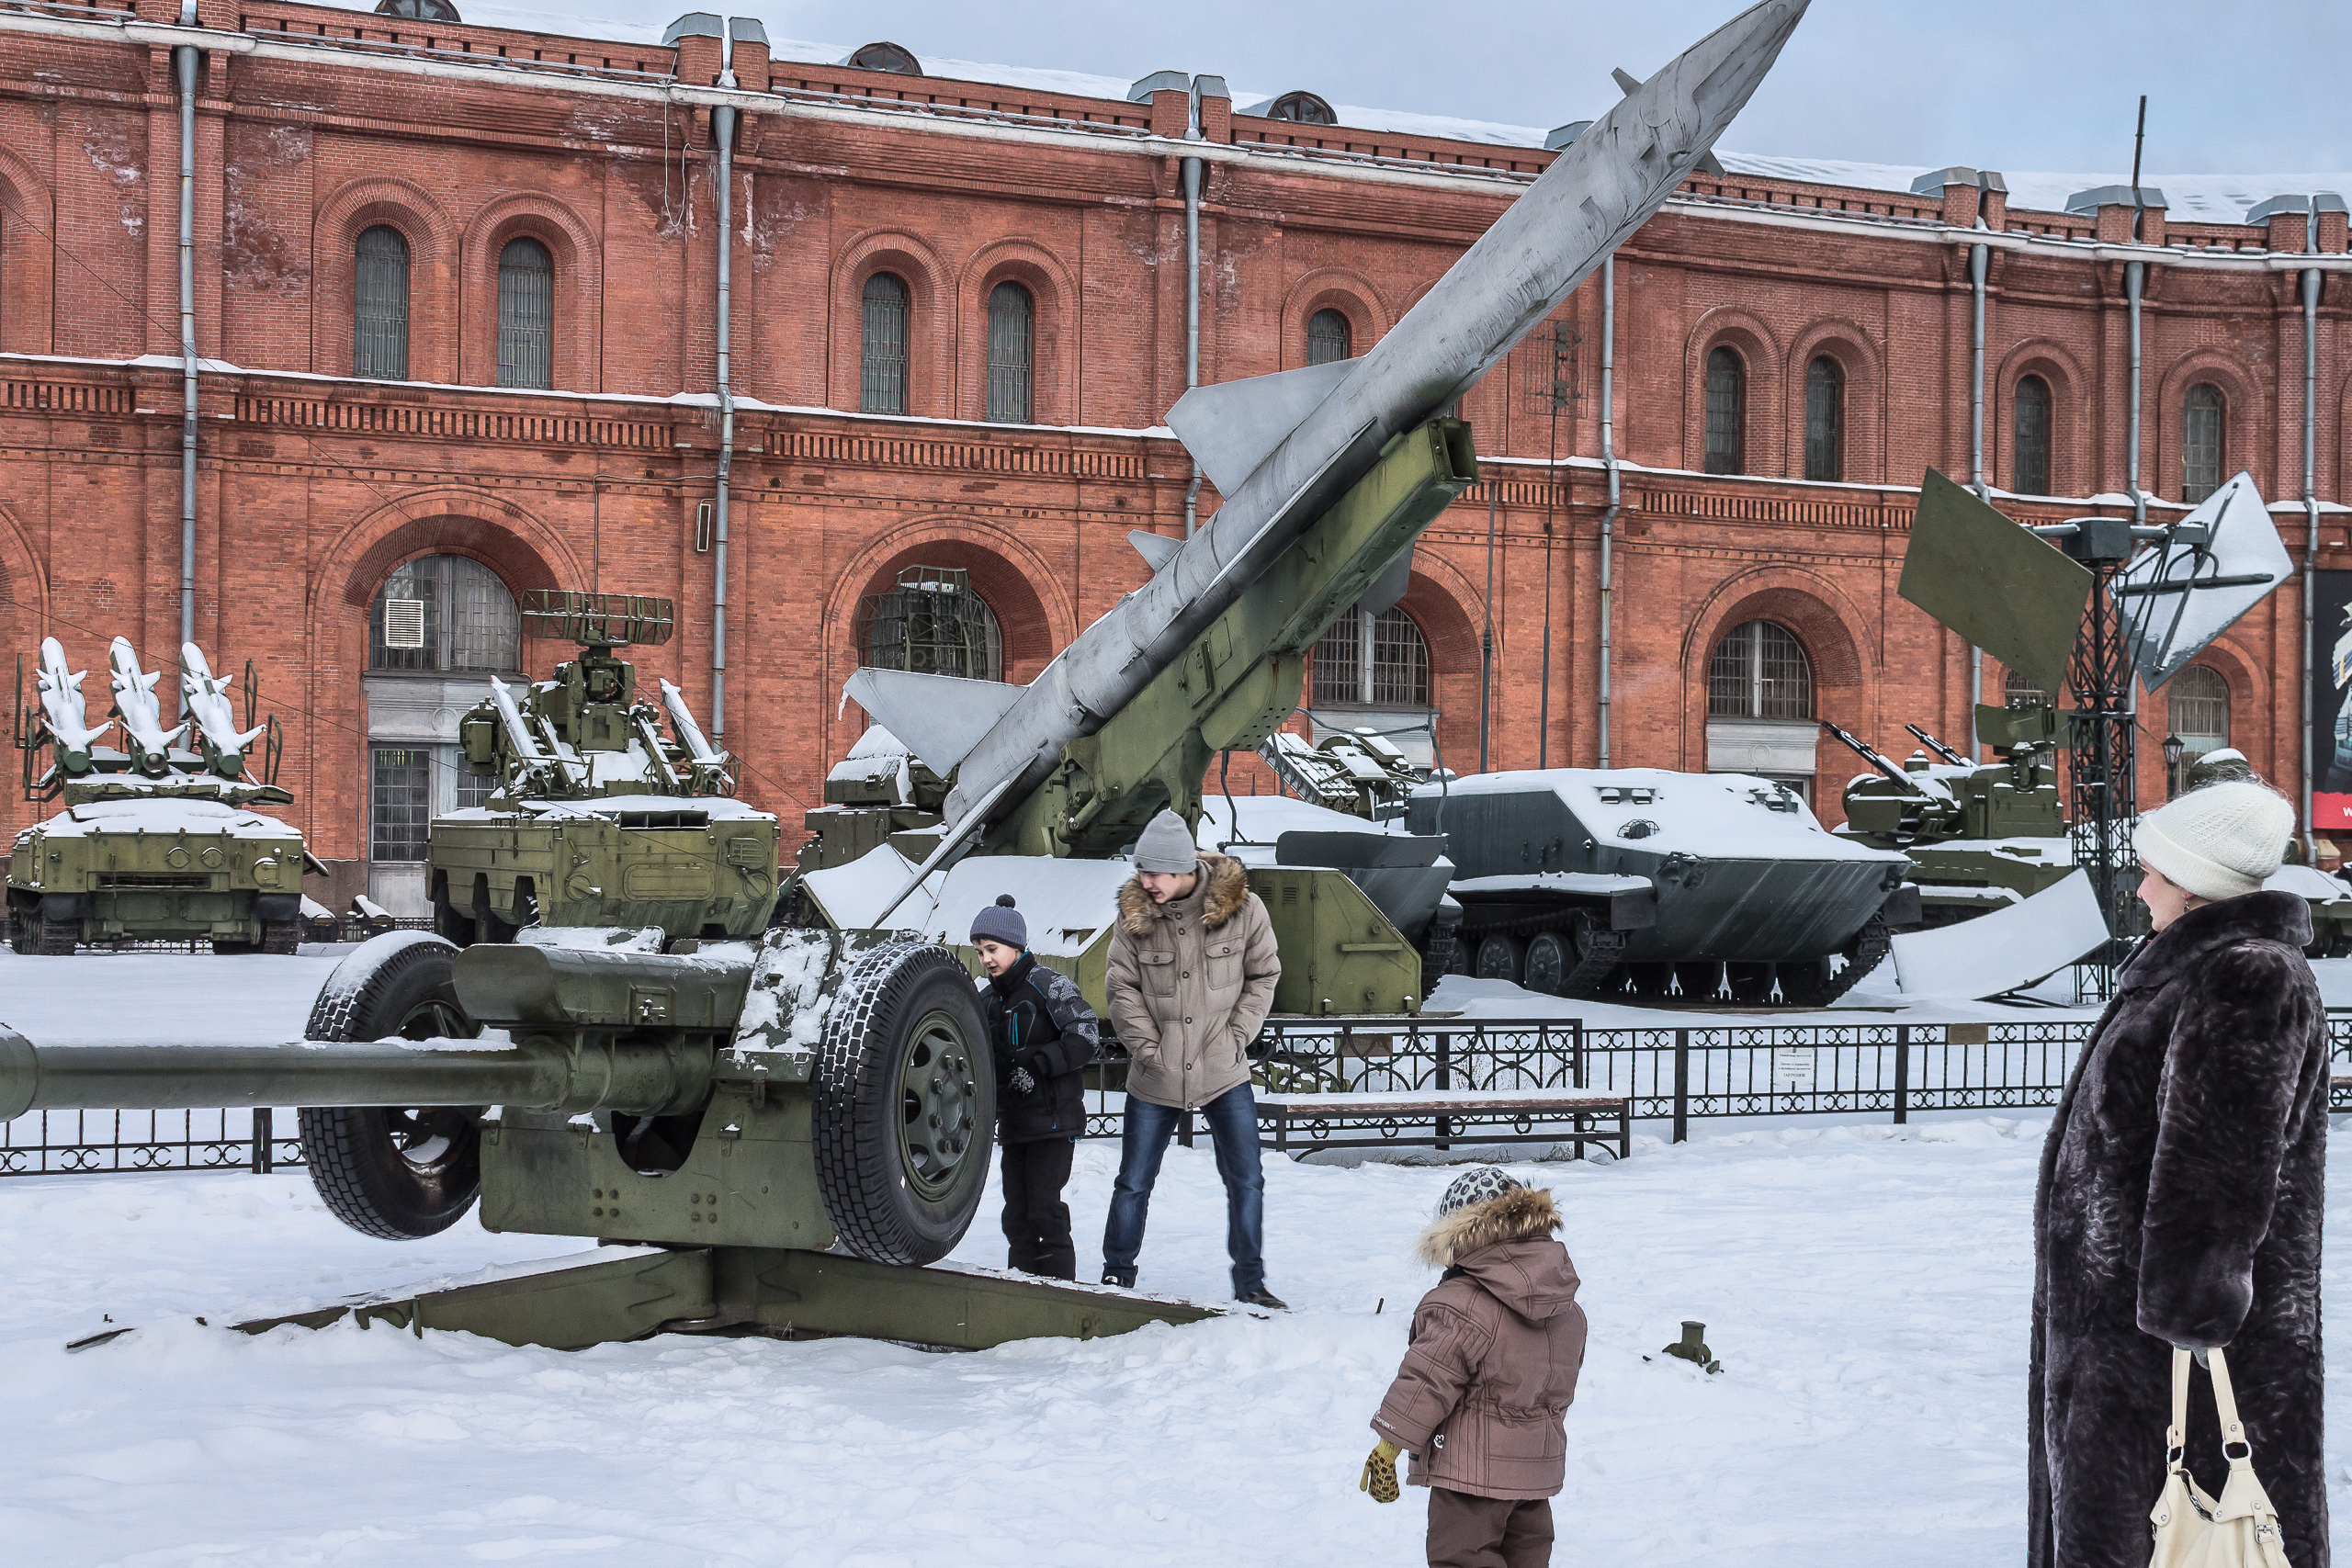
2242 87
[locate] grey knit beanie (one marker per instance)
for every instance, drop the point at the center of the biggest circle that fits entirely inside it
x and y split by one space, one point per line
1001 922
1167 845
2221 841
1479 1184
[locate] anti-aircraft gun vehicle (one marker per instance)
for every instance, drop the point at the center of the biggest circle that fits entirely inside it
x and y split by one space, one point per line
157 841
779 1127
1640 884
597 819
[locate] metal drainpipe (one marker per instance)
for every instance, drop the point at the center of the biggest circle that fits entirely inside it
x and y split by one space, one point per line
1977 257
2134 275
2310 513
1609 461
1193 296
722 123
184 57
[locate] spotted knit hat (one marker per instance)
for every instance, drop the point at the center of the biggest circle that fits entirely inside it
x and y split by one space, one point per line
1479 1184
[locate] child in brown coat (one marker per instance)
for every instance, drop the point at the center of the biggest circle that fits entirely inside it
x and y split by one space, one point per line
1480 1400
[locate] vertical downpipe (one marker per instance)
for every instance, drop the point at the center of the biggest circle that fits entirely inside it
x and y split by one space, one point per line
2134 276
1977 256
1609 461
184 58
722 124
1191 167
2311 515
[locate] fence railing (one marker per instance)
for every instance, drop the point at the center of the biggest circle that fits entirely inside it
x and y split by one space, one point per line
1675 1074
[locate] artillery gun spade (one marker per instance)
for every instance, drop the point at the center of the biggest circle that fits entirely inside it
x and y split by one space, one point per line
597 819
157 841
1641 885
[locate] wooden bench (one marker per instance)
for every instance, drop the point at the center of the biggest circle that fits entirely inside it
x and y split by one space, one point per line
1455 1116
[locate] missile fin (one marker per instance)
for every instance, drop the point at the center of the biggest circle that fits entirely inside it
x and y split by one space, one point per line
940 717
1157 550
1230 427
1388 587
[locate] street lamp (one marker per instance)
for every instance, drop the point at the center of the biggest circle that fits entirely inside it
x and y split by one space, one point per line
2173 750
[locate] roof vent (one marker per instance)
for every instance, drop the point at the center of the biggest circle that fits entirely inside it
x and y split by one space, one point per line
1303 108
2263 212
2091 200
1159 81
1932 182
403 622
419 10
694 24
747 29
884 56
1566 134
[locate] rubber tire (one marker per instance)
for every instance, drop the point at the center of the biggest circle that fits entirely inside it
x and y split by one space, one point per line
1501 957
24 937
362 1176
860 1174
1548 963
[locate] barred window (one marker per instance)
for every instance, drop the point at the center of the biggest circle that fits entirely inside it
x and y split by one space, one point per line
1375 660
444 613
400 803
379 305
882 346
1303 108
2029 436
2199 708
2200 442
1012 330
1726 412
934 624
1327 338
471 789
526 315
1760 671
1824 419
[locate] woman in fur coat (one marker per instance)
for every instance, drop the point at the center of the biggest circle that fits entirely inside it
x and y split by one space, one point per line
1487 1380
2179 1200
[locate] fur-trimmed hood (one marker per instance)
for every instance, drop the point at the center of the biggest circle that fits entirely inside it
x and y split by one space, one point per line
1223 888
1518 1215
1506 1246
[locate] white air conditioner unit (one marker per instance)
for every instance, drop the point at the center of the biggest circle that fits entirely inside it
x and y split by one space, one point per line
403 622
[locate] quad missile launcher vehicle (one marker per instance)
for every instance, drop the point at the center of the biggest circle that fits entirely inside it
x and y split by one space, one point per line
597 819
770 1132
158 842
1641 883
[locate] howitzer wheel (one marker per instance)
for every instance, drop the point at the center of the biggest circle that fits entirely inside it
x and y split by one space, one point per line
393 1172
905 1105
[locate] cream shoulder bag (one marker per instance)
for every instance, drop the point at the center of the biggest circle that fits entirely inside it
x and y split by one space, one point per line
2192 1530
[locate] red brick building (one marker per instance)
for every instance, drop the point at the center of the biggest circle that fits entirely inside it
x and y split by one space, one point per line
460 286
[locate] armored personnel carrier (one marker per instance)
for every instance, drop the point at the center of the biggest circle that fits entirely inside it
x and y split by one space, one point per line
1642 884
158 842
597 817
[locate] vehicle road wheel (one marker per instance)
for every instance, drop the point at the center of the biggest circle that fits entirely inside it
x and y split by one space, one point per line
1751 983
1500 957
280 937
60 937
225 947
24 935
447 923
905 1105
393 1172
1547 963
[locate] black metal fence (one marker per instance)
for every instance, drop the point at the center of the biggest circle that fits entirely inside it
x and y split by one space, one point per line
96 1143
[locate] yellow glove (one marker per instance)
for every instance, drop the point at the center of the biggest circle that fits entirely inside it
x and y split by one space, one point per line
1380 1472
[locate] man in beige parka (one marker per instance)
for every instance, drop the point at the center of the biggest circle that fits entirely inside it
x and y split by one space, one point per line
1191 978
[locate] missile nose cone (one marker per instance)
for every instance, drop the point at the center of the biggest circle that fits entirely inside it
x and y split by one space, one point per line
1716 75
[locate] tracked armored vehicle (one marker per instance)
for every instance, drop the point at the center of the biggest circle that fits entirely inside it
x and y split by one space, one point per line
157 842
1645 884
597 817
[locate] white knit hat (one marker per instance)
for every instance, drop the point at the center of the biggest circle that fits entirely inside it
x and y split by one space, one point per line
2219 841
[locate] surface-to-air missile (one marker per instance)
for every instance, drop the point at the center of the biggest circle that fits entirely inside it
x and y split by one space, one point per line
1642 884
156 842
739 1107
597 819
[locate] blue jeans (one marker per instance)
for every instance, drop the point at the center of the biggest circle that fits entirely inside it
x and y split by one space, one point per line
1233 1126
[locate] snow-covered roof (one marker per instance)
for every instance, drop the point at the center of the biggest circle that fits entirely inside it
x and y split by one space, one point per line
1729 816
207 819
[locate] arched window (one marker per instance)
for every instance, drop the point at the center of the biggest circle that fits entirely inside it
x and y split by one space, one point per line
884 56
1372 662
1726 412
2200 442
1303 108
2198 699
526 314
1012 318
1327 338
1760 671
419 10
2029 436
882 346
444 613
1824 419
379 305
934 624
2021 693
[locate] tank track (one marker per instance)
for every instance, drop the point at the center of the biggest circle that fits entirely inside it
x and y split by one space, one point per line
1870 947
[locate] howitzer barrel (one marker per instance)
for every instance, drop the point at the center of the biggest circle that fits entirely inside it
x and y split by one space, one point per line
634 1077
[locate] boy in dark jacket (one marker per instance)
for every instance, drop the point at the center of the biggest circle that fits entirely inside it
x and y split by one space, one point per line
1042 1033
1487 1378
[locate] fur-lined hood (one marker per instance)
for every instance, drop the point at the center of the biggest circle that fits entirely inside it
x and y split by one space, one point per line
1517 1215
1505 1245
1223 888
